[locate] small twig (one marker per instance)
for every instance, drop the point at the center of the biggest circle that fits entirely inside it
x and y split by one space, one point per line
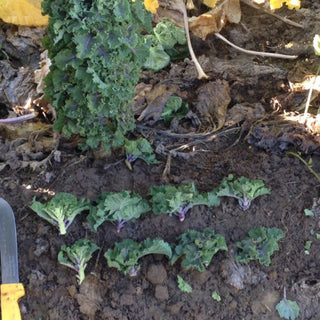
26 117
207 136
201 73
310 93
309 166
257 53
255 6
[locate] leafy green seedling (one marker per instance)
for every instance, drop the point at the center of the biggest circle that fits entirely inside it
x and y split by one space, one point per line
260 245
307 247
77 256
139 149
197 248
61 210
308 213
287 309
119 207
243 189
168 42
178 201
184 286
174 108
125 254
216 296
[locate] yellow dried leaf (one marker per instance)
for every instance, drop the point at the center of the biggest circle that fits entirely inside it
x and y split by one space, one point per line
277 4
210 3
215 19
22 12
151 5
293 4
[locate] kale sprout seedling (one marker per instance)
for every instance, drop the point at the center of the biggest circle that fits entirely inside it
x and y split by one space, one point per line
197 248
77 256
119 207
260 245
125 254
243 189
183 285
61 210
287 309
139 149
178 201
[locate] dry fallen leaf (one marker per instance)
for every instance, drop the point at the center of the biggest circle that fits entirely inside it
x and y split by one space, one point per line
212 103
214 20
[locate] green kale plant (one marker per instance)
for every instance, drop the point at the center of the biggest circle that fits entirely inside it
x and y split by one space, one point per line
168 43
174 108
139 149
243 189
97 52
77 256
260 245
61 210
197 248
119 207
178 201
125 254
183 286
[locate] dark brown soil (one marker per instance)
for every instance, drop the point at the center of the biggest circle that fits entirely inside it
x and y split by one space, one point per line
52 291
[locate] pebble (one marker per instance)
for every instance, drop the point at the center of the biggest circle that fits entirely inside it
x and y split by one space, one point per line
161 292
157 274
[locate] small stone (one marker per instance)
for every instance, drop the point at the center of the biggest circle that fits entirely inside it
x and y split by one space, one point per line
161 293
157 274
175 308
126 300
201 277
72 290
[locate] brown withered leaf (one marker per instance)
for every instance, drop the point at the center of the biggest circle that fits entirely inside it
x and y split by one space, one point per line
156 98
214 20
155 108
212 103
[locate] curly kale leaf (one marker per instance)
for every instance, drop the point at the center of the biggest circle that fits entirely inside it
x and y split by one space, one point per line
260 245
174 108
178 201
139 149
197 248
125 254
97 51
243 189
61 210
77 256
168 34
168 43
119 207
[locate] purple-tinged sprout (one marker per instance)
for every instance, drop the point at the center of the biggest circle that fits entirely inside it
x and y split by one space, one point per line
120 225
244 203
131 158
182 211
133 272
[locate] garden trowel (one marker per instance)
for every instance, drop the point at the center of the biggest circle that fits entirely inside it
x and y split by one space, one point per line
11 289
